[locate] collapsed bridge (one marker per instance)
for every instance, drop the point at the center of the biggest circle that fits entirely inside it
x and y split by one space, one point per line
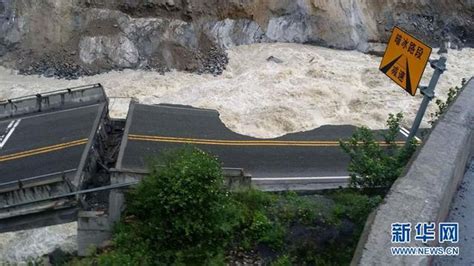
59 150
50 144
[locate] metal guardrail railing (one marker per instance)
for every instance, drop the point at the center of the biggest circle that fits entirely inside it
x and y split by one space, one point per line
71 194
229 172
53 100
35 181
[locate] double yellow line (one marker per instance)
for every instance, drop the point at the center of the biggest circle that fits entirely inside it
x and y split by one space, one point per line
296 143
79 142
42 150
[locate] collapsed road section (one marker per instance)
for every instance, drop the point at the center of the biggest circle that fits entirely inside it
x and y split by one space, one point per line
50 144
304 160
60 152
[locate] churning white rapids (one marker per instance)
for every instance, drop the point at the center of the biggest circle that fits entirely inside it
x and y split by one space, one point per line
311 87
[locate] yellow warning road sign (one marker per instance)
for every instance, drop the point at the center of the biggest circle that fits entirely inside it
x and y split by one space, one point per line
405 60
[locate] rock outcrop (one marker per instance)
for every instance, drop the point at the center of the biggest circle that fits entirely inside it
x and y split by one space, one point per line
100 35
116 50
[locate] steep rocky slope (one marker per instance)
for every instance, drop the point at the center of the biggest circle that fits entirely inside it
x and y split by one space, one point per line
69 38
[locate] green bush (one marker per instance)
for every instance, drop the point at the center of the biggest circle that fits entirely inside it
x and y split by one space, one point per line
180 212
374 166
443 106
263 230
292 208
256 224
182 215
266 217
354 206
284 260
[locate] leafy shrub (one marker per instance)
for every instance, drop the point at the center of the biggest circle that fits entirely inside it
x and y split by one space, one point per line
284 260
354 206
374 166
180 211
266 217
333 238
350 207
443 106
264 231
181 214
256 225
292 208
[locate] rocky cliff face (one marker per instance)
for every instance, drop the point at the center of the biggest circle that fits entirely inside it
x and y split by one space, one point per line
74 37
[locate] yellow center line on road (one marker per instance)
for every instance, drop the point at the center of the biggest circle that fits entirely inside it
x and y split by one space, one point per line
42 150
296 143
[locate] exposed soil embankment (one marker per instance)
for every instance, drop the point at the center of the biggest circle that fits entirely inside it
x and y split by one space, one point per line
73 38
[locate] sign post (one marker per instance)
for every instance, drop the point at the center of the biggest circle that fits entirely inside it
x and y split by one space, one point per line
404 62
428 94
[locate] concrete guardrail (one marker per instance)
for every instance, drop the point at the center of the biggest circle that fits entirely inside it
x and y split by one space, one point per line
426 189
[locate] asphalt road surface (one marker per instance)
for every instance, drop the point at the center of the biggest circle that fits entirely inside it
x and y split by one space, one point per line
43 144
153 129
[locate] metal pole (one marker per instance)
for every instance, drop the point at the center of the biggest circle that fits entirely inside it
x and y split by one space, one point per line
428 92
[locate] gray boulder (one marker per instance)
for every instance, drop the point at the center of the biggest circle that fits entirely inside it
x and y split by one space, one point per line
116 50
229 32
292 28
